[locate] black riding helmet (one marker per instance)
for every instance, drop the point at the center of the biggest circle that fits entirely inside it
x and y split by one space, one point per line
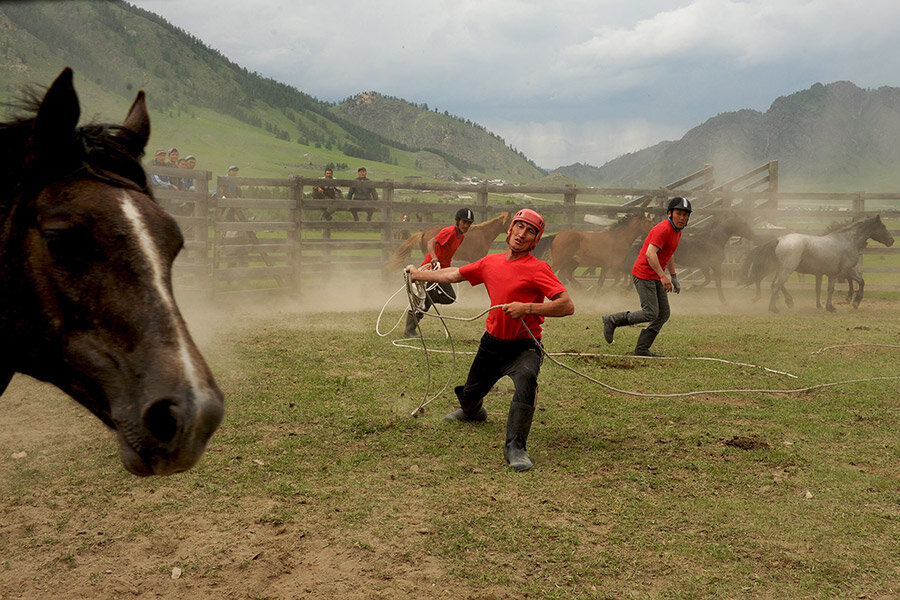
465 214
679 203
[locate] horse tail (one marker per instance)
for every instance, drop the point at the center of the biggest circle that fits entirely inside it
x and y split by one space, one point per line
543 246
402 253
758 263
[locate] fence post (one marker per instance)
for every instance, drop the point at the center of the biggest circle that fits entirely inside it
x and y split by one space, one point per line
387 214
202 210
482 202
569 196
297 235
859 205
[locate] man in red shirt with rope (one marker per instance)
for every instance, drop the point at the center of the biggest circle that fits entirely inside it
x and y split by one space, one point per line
650 279
441 249
517 284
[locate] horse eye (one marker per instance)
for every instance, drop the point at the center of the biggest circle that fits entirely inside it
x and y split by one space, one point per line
66 241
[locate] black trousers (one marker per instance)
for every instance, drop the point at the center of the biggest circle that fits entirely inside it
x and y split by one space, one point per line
520 360
441 293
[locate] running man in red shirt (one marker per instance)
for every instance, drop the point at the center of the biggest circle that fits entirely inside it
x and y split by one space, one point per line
518 282
441 249
651 281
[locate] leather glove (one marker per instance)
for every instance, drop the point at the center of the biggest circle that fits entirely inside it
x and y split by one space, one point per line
676 285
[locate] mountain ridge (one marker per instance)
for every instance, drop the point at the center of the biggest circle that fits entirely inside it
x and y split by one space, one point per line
835 137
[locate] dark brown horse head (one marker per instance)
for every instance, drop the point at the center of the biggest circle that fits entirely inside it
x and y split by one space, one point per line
85 269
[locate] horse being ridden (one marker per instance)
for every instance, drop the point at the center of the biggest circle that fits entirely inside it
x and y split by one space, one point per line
704 248
607 249
476 244
835 254
85 273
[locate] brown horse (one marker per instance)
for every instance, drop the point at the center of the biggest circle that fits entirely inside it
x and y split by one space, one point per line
85 272
476 244
607 249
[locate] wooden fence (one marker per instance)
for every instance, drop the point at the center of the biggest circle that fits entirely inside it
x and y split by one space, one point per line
272 236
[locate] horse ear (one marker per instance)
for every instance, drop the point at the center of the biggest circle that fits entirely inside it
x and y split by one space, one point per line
138 120
54 126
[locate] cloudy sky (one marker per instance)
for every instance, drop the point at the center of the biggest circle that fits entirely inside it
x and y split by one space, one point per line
563 82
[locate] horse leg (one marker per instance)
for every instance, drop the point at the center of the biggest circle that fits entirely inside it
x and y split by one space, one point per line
819 291
859 291
567 274
717 275
788 299
773 298
778 285
831 281
758 291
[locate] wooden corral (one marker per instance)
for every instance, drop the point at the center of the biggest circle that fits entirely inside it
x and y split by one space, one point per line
273 236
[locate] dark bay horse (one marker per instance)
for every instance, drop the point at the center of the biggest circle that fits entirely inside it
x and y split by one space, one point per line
607 249
476 244
85 273
835 254
704 247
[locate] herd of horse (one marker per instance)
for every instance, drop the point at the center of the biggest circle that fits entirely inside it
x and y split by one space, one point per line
835 254
86 261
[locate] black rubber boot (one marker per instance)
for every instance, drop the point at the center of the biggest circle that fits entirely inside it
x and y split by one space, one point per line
610 322
645 340
476 413
412 319
518 424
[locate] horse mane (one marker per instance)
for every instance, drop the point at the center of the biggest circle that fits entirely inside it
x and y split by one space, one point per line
624 220
839 226
108 153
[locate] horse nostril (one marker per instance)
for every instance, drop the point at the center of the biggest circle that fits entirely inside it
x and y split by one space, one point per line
161 420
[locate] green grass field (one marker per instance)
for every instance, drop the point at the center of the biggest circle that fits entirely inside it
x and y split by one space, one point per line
320 485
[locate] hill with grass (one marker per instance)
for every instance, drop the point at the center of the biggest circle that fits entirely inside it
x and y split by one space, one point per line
465 144
835 137
206 105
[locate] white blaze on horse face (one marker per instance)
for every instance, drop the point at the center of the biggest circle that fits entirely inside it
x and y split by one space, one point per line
154 260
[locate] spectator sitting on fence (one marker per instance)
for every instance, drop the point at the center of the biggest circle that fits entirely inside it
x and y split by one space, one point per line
362 193
172 162
188 162
159 160
327 191
185 183
228 190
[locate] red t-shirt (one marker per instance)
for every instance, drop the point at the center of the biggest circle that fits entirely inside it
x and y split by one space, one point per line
526 279
664 237
445 244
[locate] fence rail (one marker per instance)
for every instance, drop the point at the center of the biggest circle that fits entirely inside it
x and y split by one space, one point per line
272 236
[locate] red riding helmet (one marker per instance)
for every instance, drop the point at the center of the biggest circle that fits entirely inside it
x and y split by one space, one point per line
532 217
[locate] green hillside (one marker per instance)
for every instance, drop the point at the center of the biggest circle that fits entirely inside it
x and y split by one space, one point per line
204 104
464 144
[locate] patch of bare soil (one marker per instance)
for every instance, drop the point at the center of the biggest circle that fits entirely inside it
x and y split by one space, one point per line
746 442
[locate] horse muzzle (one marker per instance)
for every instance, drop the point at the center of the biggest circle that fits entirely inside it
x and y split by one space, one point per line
169 434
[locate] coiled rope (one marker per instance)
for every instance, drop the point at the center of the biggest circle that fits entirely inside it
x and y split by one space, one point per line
415 292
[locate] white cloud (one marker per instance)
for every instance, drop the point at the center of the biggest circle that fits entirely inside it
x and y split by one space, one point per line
542 73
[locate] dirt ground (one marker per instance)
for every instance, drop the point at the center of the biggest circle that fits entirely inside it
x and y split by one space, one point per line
100 536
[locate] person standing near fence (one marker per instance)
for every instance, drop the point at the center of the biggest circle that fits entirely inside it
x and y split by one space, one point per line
518 282
441 249
650 279
361 192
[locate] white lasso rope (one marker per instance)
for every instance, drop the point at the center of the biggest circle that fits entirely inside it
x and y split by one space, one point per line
426 401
